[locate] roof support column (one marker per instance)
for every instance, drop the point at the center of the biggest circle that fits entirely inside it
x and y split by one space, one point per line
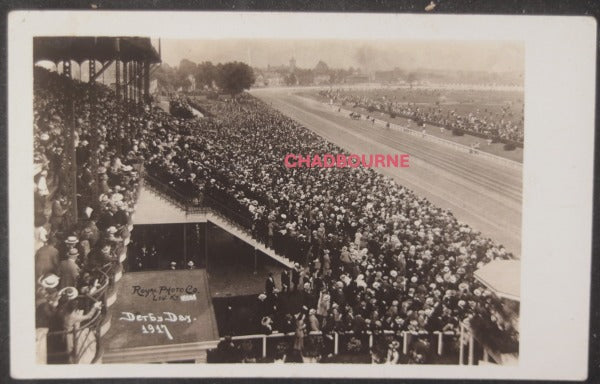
139 82
69 174
147 82
92 71
67 68
118 79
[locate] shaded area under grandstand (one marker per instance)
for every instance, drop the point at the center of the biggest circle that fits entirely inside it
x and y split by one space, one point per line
480 192
230 263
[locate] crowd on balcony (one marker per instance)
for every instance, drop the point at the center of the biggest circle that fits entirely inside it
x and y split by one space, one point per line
501 124
77 253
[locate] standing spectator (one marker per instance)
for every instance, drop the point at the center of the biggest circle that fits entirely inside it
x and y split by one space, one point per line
285 280
299 333
68 270
47 259
270 284
295 277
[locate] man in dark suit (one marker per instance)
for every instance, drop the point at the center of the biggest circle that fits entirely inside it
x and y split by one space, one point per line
270 284
68 271
47 259
285 280
296 276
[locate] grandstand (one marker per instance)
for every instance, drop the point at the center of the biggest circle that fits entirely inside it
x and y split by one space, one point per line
128 199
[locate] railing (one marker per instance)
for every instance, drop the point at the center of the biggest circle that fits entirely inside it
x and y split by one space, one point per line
439 125
198 204
169 192
341 343
461 147
70 346
228 213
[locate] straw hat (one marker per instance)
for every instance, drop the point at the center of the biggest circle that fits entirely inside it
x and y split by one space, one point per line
70 292
49 281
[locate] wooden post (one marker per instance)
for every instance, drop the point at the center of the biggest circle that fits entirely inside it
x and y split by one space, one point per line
370 340
404 342
264 346
185 242
147 81
486 355
440 343
255 262
118 79
139 82
335 343
125 80
461 338
70 150
206 246
471 349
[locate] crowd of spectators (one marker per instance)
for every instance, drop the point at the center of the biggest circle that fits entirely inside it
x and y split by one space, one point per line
491 124
77 254
369 254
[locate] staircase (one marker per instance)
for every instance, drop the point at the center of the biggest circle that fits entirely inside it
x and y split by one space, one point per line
155 207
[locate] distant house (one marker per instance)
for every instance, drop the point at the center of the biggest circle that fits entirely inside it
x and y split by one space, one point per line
357 79
153 86
322 79
273 79
192 81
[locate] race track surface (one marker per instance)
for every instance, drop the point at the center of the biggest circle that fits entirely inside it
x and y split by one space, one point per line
478 191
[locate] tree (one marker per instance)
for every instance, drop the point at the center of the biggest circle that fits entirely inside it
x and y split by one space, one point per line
305 76
235 77
290 79
206 74
187 67
411 78
321 68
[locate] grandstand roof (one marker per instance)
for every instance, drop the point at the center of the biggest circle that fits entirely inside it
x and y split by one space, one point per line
58 48
503 277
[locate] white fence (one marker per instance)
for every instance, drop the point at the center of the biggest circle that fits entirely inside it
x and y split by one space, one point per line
432 138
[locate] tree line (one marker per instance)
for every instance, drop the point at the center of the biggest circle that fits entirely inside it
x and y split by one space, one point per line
231 77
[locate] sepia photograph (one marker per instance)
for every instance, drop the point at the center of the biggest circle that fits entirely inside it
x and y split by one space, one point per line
177 222
265 200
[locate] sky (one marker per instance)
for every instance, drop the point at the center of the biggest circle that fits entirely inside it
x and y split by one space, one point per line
364 54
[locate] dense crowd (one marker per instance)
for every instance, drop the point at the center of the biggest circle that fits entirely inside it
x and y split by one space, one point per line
369 254
77 254
491 124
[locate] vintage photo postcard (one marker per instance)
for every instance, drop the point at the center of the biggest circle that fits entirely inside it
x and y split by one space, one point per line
390 195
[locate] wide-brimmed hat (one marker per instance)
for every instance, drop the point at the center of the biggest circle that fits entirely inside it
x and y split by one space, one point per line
72 240
111 230
73 252
70 292
395 344
49 281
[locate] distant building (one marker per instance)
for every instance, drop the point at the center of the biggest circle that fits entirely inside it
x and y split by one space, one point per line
192 81
153 86
272 79
322 79
357 79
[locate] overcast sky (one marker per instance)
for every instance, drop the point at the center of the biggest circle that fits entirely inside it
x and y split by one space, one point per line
368 55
